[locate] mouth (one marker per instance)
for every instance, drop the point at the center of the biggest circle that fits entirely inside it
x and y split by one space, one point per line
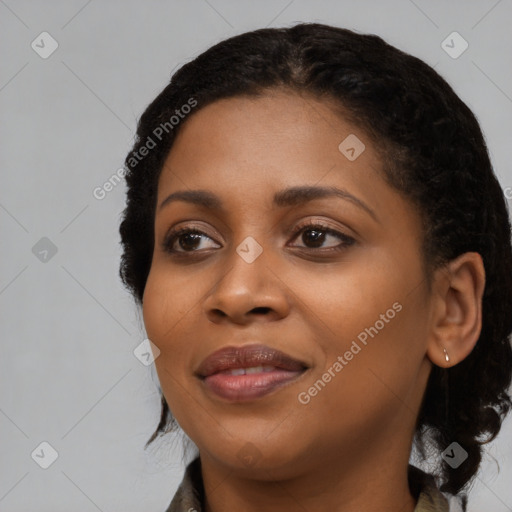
249 372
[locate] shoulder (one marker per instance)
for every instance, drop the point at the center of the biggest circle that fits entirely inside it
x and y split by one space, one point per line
424 488
190 494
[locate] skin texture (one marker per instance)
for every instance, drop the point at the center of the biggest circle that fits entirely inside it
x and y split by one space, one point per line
355 434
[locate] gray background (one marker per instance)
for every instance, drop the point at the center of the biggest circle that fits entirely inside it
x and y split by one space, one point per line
68 375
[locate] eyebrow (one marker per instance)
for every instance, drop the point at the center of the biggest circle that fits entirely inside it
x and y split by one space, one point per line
292 196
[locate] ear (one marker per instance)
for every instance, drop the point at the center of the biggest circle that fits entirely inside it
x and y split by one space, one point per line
456 319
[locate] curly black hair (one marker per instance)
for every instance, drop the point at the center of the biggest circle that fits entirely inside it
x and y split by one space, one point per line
433 152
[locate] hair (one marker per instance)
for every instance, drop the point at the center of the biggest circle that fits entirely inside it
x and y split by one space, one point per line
433 153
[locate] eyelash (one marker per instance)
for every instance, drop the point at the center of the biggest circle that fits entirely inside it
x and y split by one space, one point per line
346 240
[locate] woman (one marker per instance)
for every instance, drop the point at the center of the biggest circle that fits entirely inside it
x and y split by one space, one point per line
322 255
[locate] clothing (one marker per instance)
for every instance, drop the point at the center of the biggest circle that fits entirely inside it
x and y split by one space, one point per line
190 494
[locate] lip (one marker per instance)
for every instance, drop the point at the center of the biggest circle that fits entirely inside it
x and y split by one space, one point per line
214 371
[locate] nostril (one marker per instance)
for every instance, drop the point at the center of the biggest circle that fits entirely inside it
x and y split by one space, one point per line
263 310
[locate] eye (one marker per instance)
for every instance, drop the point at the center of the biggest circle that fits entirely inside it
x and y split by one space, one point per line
315 235
185 240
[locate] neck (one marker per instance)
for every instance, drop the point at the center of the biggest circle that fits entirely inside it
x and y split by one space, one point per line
332 485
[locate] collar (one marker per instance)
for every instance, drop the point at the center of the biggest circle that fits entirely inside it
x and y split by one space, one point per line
190 494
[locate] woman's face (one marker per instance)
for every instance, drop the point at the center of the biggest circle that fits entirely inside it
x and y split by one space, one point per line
332 280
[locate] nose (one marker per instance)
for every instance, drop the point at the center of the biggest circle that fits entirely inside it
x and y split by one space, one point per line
244 292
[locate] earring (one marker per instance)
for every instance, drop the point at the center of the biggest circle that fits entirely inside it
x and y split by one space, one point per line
446 356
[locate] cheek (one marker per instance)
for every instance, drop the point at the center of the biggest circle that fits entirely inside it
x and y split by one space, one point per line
157 309
168 299
339 302
375 319
167 306
365 386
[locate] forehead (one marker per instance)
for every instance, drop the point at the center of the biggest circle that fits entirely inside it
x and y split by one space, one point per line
278 118
280 137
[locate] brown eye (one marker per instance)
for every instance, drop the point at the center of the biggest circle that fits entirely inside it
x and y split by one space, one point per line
189 241
185 240
314 236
